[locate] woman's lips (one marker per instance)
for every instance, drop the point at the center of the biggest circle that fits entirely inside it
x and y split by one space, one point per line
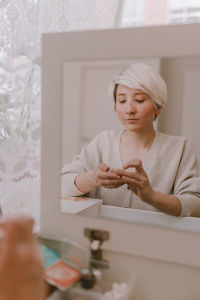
132 120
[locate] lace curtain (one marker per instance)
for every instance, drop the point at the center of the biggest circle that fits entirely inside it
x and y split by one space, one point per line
19 107
21 24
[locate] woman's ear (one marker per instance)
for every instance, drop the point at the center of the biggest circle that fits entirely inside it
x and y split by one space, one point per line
158 112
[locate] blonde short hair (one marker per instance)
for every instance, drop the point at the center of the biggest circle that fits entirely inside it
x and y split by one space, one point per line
144 77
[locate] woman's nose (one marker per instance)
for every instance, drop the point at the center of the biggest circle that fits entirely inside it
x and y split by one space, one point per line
130 108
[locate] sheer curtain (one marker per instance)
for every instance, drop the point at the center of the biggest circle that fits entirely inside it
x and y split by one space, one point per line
21 24
19 107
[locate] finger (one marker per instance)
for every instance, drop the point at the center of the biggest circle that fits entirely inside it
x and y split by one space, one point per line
104 167
19 241
110 176
131 181
132 162
18 229
135 163
135 175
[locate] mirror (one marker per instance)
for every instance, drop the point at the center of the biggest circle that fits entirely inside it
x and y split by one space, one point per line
170 55
87 110
130 237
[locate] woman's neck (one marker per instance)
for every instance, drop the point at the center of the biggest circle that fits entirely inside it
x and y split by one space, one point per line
140 139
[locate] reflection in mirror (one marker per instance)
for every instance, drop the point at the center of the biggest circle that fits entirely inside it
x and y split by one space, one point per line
117 155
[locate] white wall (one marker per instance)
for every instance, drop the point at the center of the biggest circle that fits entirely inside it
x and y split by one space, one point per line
181 115
158 280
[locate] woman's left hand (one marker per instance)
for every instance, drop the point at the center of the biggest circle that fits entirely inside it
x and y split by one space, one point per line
137 180
21 268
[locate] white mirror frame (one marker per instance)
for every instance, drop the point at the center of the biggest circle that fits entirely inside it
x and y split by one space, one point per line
168 238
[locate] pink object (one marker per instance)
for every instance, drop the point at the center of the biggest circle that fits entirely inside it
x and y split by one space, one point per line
62 275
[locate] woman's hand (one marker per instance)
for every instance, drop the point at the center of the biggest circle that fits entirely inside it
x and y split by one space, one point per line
20 261
102 175
137 180
139 184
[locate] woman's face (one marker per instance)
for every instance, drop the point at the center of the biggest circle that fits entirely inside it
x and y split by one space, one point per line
135 108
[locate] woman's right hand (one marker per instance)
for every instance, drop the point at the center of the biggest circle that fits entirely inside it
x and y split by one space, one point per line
102 175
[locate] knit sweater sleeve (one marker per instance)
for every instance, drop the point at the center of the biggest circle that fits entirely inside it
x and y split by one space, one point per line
187 182
88 159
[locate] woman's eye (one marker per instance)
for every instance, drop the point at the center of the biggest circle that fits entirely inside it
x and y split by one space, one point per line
122 100
139 100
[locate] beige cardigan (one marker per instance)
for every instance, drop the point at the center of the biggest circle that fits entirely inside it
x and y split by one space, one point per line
170 164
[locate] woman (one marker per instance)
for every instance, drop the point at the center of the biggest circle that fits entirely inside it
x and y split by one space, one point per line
137 167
